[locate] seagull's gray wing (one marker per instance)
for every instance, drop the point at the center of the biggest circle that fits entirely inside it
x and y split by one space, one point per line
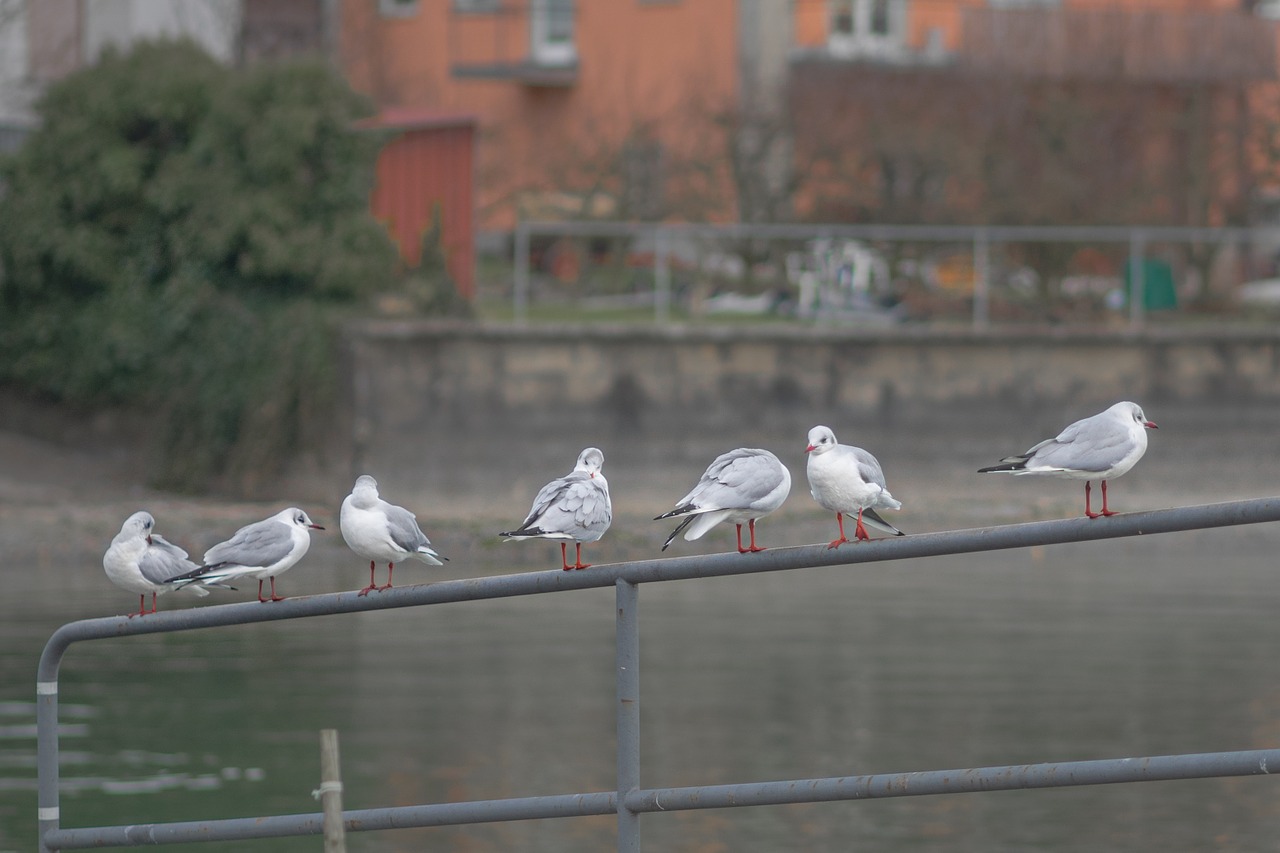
258 545
549 496
1093 444
163 561
573 504
586 502
868 467
403 527
738 479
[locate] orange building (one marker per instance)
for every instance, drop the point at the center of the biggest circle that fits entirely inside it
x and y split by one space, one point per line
584 108
704 109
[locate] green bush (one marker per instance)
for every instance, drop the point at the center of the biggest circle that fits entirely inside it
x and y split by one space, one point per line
180 235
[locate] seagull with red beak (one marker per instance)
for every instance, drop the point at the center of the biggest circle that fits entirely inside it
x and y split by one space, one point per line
848 480
1101 447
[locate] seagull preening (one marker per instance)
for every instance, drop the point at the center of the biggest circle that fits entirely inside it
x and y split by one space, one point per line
382 532
145 562
742 485
1098 448
262 550
573 508
845 480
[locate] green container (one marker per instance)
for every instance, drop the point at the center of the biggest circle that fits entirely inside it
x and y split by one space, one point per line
1158 291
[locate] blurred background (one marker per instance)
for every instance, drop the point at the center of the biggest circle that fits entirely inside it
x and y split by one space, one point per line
250 249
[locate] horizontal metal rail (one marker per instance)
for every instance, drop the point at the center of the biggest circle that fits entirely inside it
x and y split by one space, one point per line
1160 768
910 233
631 800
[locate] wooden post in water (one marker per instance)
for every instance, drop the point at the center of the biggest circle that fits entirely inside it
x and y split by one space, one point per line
330 793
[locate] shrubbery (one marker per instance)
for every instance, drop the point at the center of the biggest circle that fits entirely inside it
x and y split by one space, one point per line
178 235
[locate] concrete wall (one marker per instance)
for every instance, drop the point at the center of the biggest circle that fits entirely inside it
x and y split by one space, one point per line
471 412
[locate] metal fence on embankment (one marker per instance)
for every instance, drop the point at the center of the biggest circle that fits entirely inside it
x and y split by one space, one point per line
885 275
630 800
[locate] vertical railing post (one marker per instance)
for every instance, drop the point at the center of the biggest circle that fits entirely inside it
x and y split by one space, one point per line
981 279
661 277
1137 279
628 661
520 297
330 793
48 815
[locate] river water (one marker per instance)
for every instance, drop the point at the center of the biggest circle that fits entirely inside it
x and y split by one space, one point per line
1147 646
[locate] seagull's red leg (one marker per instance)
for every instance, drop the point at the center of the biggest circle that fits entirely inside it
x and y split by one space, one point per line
577 557
1105 511
142 606
260 598
860 532
751 526
836 543
740 548
564 557
275 597
1087 511
391 567
372 586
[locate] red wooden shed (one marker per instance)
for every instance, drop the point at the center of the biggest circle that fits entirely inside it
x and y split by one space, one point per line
425 171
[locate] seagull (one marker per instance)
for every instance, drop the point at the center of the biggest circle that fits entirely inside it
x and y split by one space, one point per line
260 550
573 508
742 485
847 479
141 561
1098 448
382 532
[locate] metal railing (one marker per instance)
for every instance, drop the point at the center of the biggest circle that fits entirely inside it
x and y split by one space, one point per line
629 801
662 238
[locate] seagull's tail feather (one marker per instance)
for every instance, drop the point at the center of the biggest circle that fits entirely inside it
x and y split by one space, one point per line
683 509
523 533
1009 463
199 586
185 578
679 528
871 517
430 556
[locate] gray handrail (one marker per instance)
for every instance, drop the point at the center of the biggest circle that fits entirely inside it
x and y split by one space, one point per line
629 801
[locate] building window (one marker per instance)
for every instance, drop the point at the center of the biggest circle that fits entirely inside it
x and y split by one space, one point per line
477 6
551 32
866 27
398 8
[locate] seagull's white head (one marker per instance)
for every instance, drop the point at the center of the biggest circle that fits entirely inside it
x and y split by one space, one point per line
138 524
590 460
821 439
365 491
1134 412
296 517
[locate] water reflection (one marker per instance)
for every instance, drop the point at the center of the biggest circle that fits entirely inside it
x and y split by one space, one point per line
1148 646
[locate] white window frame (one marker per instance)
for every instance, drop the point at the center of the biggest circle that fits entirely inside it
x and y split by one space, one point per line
862 40
551 42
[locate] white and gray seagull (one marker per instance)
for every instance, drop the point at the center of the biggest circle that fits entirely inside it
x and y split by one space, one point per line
262 550
382 532
573 508
145 562
1101 447
845 480
740 486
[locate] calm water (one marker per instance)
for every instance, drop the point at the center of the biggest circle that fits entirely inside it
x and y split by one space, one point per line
1137 647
